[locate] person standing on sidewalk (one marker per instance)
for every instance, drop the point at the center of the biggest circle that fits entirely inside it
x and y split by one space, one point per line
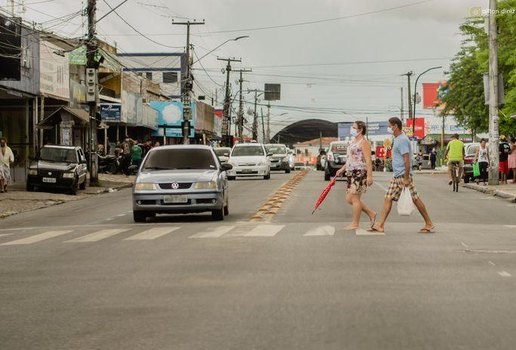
136 154
482 157
504 150
359 173
402 168
6 158
433 158
512 159
455 153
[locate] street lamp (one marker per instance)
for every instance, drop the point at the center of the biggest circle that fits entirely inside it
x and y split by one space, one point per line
415 96
234 39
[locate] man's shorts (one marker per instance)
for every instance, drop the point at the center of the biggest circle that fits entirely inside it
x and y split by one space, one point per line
396 187
504 167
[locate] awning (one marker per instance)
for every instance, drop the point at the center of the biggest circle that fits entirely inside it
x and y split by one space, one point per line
79 115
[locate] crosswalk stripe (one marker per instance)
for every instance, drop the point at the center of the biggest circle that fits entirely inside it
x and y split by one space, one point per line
38 238
215 233
5 234
152 233
362 232
97 236
321 231
264 231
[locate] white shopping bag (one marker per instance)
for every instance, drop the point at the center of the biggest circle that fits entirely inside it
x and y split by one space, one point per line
405 204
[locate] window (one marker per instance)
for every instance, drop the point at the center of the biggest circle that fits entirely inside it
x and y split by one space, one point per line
177 159
247 151
276 149
170 77
52 154
148 75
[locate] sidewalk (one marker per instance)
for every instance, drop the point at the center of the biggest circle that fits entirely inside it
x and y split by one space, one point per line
18 200
503 191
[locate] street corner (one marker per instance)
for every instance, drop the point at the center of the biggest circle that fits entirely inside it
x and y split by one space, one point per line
507 192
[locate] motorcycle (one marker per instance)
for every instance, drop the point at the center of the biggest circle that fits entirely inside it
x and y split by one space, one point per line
108 164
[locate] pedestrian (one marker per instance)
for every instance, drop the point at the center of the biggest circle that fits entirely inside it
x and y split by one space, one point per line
126 155
504 151
512 159
157 144
6 158
136 154
482 157
359 173
433 158
402 171
455 153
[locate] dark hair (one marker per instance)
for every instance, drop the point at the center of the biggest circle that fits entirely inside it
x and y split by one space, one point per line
3 139
396 121
362 126
456 136
482 140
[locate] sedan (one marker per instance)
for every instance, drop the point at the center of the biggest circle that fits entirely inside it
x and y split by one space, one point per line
181 179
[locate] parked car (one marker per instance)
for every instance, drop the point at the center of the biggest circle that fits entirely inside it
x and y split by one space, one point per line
58 167
249 159
470 151
223 153
335 158
279 157
181 179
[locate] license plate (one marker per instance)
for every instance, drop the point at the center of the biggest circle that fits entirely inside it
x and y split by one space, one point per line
50 180
247 170
175 199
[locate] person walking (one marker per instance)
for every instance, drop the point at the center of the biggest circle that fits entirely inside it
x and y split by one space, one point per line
136 154
482 157
402 168
512 159
6 158
455 153
504 149
359 173
433 158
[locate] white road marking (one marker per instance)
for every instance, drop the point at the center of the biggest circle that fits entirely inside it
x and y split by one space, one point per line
97 236
362 232
264 231
38 238
504 274
215 233
381 186
491 197
152 233
464 245
321 231
5 234
510 226
491 263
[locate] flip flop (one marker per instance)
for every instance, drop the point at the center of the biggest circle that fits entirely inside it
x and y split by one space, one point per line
373 229
427 230
373 221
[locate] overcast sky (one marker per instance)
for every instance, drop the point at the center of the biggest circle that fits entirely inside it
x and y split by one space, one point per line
349 62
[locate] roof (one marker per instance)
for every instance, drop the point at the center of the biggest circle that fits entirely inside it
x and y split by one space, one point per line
79 114
305 130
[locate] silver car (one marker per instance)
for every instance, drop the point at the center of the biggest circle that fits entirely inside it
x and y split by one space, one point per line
181 179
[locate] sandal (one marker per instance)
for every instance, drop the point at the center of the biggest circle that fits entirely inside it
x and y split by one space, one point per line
373 220
427 230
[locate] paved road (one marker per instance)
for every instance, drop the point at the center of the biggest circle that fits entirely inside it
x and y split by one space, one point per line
84 276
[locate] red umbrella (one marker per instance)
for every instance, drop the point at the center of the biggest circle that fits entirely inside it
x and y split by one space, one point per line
324 194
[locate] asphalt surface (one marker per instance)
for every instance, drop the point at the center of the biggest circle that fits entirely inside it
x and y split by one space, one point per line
82 275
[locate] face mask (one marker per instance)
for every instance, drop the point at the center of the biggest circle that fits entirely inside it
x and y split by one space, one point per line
353 132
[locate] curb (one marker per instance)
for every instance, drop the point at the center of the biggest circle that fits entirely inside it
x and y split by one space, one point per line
495 193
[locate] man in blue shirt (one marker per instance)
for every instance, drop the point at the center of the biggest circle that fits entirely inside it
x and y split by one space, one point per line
402 168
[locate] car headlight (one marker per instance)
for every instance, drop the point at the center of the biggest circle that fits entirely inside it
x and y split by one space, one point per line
33 172
145 186
209 185
285 159
68 175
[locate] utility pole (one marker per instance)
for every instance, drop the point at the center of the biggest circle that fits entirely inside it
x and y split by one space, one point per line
255 119
186 96
268 139
241 105
226 119
91 69
409 74
493 97
401 108
263 126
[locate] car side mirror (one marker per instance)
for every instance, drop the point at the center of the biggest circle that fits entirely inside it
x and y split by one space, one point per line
226 167
270 154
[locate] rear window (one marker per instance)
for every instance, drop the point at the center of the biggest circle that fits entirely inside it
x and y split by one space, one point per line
339 148
222 152
179 159
276 149
52 154
472 150
247 151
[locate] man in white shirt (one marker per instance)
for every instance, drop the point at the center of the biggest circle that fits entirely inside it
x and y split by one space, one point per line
6 158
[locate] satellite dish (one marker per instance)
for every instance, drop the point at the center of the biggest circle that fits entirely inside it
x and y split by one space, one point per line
250 112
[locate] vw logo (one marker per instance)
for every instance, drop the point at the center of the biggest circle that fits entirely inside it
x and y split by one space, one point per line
175 185
49 173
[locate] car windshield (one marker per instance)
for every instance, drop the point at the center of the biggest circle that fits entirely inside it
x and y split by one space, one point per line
179 159
276 149
472 150
339 148
222 152
247 151
52 154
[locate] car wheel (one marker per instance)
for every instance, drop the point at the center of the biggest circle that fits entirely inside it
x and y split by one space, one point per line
226 209
139 216
30 187
466 179
267 177
231 178
82 186
73 189
218 214
326 176
287 171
